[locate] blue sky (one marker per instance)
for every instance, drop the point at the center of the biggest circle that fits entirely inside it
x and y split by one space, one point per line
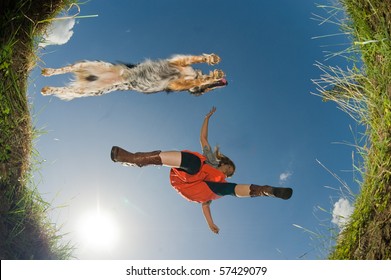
267 121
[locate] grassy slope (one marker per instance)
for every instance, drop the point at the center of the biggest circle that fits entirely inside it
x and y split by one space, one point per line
25 232
368 235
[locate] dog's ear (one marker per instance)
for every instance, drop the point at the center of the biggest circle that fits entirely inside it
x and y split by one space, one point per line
200 90
197 91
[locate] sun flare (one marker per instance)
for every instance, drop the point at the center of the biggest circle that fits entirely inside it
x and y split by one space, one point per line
99 230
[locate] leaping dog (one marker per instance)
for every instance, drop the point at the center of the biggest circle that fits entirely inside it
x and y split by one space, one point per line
93 78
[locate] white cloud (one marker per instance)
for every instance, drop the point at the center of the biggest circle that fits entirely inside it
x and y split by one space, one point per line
341 212
285 176
58 33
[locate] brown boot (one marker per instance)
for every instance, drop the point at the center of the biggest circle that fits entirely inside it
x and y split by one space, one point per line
140 159
284 193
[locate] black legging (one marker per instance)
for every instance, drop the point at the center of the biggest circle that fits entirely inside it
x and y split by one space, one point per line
191 164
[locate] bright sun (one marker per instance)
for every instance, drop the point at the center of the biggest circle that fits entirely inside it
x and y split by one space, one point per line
98 230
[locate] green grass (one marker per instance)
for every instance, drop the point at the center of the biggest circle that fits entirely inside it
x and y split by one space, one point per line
365 94
25 230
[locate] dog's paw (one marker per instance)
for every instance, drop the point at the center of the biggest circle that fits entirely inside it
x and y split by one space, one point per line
212 59
45 91
47 72
218 74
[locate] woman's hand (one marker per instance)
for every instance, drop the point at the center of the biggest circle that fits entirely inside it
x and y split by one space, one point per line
214 228
211 112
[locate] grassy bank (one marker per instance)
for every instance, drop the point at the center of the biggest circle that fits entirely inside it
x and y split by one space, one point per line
25 231
365 94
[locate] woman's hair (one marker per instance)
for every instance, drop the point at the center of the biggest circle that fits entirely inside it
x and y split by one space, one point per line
224 160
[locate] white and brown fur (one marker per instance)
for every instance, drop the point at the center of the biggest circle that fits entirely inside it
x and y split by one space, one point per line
93 78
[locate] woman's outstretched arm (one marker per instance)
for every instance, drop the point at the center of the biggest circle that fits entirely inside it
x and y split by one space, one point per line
208 217
204 129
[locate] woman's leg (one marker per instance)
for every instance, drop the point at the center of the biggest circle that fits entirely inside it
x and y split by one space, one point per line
242 190
171 158
140 159
188 162
245 190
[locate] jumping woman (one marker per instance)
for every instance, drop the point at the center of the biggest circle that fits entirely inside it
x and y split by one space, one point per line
199 177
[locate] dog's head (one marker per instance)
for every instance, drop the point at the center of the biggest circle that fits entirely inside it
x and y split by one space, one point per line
200 90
